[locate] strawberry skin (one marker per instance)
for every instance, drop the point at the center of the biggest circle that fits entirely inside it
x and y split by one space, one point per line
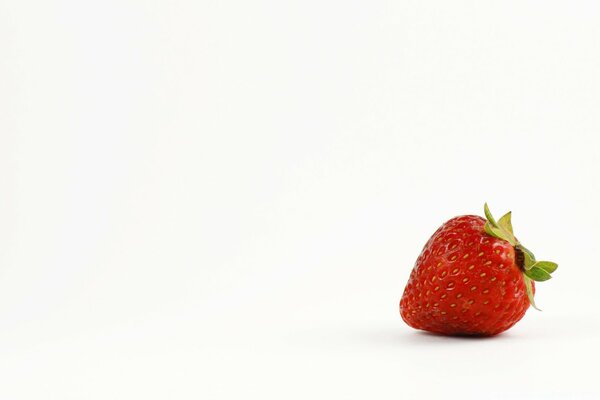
467 282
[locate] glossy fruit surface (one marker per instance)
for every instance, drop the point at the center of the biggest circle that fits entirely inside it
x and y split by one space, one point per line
468 282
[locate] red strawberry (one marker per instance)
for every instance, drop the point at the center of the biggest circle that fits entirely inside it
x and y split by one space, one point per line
473 277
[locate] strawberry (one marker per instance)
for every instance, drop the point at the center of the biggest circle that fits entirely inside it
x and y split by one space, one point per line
473 277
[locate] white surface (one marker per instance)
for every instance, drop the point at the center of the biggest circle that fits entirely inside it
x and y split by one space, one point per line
223 200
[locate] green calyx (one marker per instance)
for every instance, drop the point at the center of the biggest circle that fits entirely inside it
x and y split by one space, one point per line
532 269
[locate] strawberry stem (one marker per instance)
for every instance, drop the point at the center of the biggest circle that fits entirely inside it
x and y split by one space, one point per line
531 269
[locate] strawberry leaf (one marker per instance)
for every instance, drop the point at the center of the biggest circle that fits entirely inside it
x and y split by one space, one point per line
489 216
532 270
501 231
547 266
505 222
528 255
529 290
493 231
537 274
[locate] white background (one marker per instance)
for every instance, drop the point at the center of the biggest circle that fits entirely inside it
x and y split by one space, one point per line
224 199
